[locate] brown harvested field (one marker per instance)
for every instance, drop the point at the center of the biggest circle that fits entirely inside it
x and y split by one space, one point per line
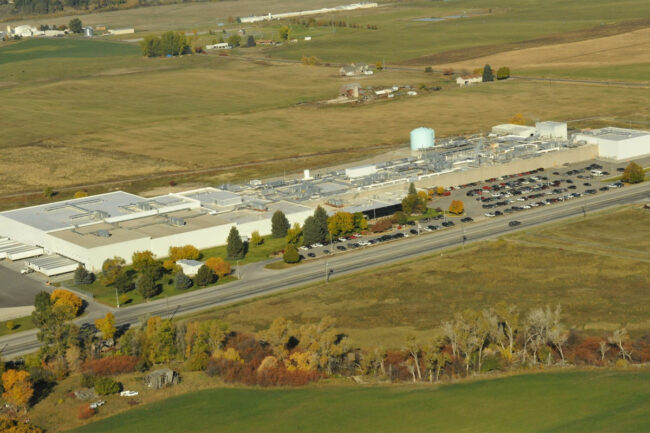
103 128
621 49
598 290
466 54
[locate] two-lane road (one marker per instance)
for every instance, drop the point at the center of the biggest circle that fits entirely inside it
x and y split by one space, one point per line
265 282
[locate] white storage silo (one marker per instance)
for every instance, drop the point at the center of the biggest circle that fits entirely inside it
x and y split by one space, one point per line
422 138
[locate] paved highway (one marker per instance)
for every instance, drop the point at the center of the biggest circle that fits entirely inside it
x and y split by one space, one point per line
264 281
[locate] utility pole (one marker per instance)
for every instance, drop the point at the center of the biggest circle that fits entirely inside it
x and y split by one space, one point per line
117 298
238 273
327 273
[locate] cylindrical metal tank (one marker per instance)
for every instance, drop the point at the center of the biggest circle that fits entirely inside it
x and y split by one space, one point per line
88 32
422 138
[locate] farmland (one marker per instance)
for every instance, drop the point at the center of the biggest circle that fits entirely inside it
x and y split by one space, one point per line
600 282
120 116
603 401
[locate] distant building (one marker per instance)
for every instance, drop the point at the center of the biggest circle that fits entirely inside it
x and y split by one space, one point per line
466 80
355 70
617 143
350 90
160 378
116 32
551 130
511 129
219 46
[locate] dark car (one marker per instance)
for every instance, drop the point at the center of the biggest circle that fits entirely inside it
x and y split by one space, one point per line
398 235
572 187
467 220
498 213
514 223
569 181
586 184
620 169
604 188
311 254
326 251
448 223
590 191
413 232
432 227
341 248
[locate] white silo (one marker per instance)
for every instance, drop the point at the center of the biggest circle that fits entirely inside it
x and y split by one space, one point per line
422 138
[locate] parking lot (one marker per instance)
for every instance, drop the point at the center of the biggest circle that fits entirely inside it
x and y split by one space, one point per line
17 290
490 199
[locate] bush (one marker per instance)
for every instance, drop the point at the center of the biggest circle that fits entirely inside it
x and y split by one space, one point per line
85 411
185 252
381 226
503 73
111 365
105 385
236 372
182 281
87 380
291 254
10 325
220 267
399 217
428 69
205 276
197 362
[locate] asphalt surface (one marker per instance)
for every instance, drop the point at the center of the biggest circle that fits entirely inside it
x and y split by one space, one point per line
16 290
265 282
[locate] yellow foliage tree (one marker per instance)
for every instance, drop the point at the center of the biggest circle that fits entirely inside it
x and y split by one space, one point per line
219 266
66 301
106 326
229 354
300 361
440 190
294 233
456 207
142 260
18 388
256 238
185 252
518 119
80 194
340 223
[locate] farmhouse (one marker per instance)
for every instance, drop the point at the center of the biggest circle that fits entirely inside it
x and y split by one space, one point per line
466 80
355 70
219 46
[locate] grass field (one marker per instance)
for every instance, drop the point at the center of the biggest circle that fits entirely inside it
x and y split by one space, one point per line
20 324
603 401
596 269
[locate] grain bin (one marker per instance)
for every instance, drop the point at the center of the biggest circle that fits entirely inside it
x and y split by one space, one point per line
422 138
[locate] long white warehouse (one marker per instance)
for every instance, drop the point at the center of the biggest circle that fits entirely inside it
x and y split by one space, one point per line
89 230
617 143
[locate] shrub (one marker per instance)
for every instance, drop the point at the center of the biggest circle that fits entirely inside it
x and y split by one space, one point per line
399 217
182 281
85 411
87 380
105 385
291 254
381 225
205 276
66 301
503 73
220 267
80 194
10 325
185 252
198 361
111 365
428 69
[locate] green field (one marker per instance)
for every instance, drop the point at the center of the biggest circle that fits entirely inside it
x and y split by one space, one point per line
636 72
596 270
20 324
602 401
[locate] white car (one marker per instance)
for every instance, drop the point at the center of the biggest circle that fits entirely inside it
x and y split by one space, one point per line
317 245
128 393
97 404
342 239
26 271
526 207
489 214
303 248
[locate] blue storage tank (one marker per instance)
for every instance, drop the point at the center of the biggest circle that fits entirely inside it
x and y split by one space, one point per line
422 138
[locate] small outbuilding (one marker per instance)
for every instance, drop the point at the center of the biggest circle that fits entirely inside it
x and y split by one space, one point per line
160 378
190 267
466 80
355 69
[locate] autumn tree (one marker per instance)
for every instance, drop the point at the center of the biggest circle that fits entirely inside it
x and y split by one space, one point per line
413 202
235 248
205 336
508 323
159 340
279 224
67 302
219 266
341 223
326 344
360 221
518 119
188 252
503 73
294 234
18 388
291 254
456 207
234 40
633 173
54 331
146 283
106 326
278 336
620 338
111 269
142 260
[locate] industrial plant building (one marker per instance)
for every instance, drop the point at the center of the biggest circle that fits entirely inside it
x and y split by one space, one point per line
54 238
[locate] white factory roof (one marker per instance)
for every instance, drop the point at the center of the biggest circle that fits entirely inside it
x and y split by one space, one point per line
616 134
210 197
81 211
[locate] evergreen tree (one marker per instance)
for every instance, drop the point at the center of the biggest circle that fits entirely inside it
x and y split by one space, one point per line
182 281
82 276
320 215
487 74
123 282
205 276
311 231
412 190
146 284
279 224
251 41
235 247
75 25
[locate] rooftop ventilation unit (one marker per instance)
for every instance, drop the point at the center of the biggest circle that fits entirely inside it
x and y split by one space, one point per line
100 214
143 205
176 221
102 233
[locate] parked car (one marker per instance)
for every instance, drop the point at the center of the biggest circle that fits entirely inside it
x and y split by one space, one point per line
514 223
312 255
467 220
128 393
341 248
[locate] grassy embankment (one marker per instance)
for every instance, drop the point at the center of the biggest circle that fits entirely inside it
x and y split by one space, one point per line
106 294
596 268
20 324
595 401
